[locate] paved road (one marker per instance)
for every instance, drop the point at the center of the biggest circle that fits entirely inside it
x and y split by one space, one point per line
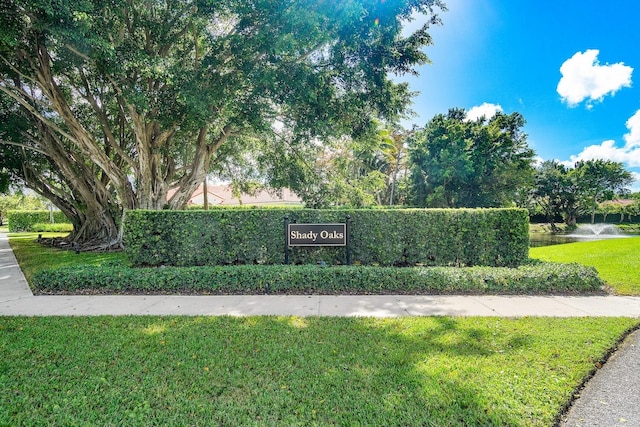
612 397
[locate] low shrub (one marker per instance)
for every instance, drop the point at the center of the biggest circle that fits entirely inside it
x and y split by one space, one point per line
51 228
532 278
20 221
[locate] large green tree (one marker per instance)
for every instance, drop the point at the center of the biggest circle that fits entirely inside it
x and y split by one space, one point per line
552 190
572 192
124 99
599 180
458 162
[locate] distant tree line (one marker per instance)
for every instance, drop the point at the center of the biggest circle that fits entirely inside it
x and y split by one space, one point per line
18 201
569 193
455 162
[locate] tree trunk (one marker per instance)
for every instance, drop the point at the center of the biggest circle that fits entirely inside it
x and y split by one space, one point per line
94 227
205 194
570 220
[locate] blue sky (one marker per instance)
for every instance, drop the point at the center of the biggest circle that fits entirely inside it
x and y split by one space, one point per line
568 66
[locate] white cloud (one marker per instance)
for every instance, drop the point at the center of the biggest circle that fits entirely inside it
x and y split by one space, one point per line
632 139
537 161
608 151
634 187
485 110
584 78
629 155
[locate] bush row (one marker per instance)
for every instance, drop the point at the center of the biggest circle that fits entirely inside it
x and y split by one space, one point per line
20 221
532 278
396 237
61 227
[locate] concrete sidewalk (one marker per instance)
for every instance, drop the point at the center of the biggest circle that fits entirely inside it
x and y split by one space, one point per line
319 305
611 398
16 299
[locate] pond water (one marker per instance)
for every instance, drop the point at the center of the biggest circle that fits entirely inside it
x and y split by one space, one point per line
584 232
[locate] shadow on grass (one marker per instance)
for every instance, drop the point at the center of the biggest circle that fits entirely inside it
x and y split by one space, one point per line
435 371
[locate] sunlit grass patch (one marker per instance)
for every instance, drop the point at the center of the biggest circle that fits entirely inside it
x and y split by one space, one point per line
33 257
616 260
437 371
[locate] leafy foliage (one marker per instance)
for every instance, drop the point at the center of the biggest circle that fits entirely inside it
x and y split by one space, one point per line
551 191
11 202
461 163
117 102
24 220
51 228
572 192
539 278
394 237
599 180
347 172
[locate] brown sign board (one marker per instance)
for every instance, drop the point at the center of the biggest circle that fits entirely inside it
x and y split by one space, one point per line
317 235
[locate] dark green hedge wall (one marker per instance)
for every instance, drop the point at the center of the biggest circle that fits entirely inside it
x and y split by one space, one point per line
395 237
23 220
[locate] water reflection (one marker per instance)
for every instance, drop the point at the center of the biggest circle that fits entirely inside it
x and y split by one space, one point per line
548 239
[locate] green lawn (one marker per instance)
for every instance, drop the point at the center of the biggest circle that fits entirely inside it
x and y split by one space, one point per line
436 371
33 257
272 371
617 260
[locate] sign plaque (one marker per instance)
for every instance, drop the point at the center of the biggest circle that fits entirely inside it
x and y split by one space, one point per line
317 235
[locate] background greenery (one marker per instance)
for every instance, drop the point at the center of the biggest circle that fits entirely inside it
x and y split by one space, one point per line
22 220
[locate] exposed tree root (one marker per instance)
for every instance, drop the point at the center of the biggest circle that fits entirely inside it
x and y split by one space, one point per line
66 243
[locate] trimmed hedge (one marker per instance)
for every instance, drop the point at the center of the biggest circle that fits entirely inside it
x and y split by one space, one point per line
20 221
61 227
533 278
395 237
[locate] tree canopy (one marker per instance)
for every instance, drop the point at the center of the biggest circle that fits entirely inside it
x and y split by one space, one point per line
470 163
599 180
571 192
117 101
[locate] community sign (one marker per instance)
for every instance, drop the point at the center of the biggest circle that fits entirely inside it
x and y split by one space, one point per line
317 235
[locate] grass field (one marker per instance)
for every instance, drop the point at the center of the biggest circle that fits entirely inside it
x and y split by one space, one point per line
616 260
272 371
32 256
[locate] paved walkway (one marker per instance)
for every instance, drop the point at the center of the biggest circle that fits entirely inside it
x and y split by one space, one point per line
611 398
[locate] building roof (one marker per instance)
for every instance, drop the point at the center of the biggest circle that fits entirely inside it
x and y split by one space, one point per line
223 195
623 202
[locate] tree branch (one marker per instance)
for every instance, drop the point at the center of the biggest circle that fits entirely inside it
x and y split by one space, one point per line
27 147
104 122
31 109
